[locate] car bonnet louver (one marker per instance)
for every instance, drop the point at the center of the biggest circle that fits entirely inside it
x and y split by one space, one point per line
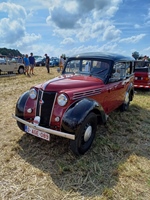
78 95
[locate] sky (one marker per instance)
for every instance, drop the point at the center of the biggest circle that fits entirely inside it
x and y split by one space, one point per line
70 27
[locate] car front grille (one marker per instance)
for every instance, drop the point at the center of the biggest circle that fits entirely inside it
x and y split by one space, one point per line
44 107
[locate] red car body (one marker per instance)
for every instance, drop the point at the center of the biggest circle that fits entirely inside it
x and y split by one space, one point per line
72 105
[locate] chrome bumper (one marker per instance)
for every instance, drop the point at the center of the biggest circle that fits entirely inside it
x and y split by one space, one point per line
47 130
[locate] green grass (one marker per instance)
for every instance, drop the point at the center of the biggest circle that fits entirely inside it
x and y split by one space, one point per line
117 167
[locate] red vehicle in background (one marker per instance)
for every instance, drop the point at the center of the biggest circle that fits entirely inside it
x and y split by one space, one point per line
142 74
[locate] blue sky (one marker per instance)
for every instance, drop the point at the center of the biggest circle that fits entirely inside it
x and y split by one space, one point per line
66 27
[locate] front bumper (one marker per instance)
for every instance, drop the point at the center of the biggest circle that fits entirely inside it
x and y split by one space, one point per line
47 130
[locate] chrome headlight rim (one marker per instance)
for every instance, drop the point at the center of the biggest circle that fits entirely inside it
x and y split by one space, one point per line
32 93
62 99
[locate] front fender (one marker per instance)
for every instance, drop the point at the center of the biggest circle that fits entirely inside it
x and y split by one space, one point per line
20 105
76 113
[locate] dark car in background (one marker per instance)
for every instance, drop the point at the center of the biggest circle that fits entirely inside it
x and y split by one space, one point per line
54 62
40 61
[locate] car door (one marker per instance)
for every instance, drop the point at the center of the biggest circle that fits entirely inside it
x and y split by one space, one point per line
13 65
116 87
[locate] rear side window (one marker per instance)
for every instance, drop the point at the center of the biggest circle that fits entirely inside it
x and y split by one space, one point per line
121 70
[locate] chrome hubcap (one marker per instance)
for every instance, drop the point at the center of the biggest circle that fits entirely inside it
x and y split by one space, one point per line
21 70
88 133
127 98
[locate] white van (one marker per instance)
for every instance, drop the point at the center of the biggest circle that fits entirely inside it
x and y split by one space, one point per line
11 66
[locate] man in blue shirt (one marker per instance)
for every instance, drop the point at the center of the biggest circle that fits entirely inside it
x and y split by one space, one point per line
26 64
32 63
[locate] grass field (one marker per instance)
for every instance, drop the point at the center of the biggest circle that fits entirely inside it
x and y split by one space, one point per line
117 167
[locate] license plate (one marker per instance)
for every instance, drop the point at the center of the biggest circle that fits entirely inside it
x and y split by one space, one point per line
37 133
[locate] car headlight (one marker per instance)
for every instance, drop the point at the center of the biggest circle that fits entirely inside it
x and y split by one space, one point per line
62 99
32 93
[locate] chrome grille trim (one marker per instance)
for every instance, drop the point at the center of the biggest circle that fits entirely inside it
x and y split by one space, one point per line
45 109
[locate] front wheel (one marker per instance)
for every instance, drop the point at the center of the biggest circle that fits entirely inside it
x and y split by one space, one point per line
20 125
84 135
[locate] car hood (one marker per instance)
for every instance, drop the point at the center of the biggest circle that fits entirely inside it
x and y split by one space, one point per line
71 82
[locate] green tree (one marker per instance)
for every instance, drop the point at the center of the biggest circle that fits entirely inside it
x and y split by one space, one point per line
135 55
10 52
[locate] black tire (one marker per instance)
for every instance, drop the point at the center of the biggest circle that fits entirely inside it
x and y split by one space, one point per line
20 125
21 70
84 135
126 103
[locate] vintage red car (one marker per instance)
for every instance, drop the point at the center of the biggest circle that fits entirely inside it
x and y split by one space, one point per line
142 74
72 105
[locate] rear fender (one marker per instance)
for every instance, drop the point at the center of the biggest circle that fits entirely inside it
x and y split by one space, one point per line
130 90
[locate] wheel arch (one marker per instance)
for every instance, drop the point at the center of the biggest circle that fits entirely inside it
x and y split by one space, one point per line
131 91
78 111
19 111
20 105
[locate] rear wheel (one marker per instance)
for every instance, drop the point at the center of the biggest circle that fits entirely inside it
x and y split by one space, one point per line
84 135
126 103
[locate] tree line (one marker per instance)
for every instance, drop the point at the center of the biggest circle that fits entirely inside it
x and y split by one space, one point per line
9 52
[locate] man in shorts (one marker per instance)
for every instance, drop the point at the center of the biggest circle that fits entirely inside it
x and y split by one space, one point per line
32 63
26 64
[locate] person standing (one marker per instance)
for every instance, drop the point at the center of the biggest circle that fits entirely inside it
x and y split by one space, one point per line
32 63
26 64
47 63
61 63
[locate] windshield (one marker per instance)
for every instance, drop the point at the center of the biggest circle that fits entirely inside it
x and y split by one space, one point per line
141 64
97 68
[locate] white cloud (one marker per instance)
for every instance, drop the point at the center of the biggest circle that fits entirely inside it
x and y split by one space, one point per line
147 49
111 33
109 47
133 39
63 26
68 16
12 27
11 30
137 26
14 11
67 41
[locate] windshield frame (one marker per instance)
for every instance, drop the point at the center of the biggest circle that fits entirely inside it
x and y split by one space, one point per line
78 66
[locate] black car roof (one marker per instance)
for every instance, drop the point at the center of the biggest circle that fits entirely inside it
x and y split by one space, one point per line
101 55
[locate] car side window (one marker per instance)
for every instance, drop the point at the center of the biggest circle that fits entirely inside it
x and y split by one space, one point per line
87 66
121 70
118 72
